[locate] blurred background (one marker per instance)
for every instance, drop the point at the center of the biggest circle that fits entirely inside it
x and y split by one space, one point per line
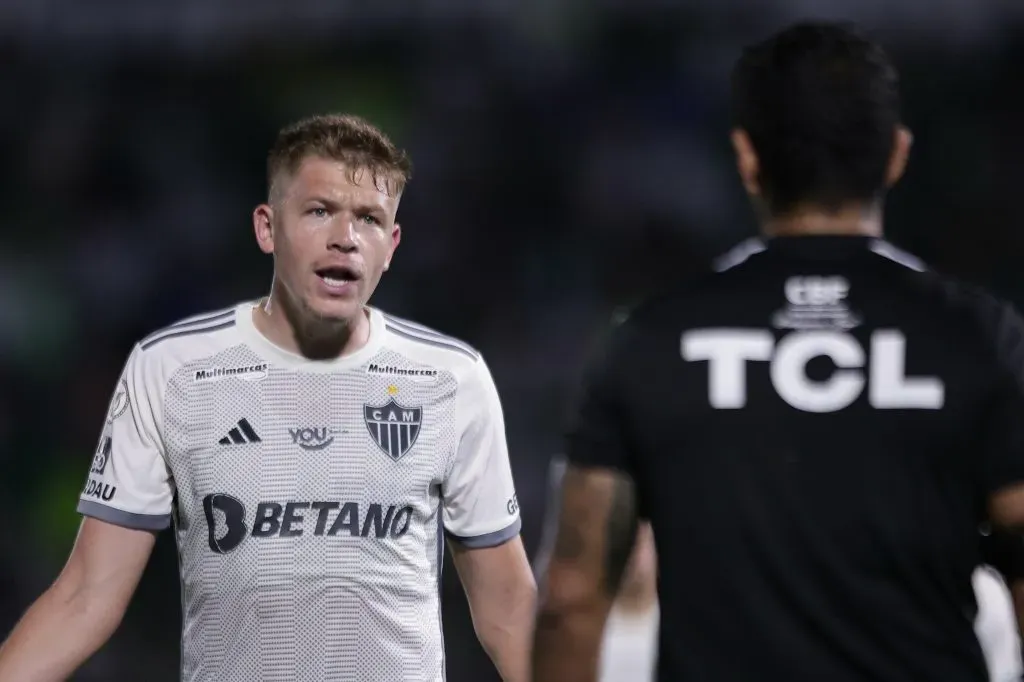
569 156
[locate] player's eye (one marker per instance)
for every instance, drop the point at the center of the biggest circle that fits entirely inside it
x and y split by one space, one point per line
369 219
318 212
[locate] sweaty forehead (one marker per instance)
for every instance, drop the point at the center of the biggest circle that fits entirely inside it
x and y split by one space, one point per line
337 181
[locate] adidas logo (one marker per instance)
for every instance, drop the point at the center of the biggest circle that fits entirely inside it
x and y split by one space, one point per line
241 434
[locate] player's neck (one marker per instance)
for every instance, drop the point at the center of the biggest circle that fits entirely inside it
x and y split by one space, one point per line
853 221
285 327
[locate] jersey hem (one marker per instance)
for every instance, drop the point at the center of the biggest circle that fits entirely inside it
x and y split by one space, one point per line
126 519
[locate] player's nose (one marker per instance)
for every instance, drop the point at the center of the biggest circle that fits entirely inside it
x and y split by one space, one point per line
342 236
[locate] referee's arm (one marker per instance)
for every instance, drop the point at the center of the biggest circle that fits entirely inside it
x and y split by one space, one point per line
1002 460
1002 453
596 529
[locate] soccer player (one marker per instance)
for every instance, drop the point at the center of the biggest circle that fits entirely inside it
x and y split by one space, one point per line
815 431
311 454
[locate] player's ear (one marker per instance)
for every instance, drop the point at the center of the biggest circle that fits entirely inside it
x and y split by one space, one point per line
903 139
746 161
263 226
396 238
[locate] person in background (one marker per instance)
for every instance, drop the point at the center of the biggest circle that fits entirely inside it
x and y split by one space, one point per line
996 626
630 649
997 622
814 430
630 646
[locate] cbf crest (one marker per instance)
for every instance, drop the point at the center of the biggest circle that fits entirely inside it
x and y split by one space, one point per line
393 427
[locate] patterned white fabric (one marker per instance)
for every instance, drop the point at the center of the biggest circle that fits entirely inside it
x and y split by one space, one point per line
308 499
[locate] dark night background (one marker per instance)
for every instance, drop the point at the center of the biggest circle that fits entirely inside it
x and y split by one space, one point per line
570 155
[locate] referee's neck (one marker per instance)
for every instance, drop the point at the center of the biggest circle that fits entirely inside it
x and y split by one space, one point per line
852 221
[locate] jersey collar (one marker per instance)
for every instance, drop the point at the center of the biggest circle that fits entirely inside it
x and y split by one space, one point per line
282 357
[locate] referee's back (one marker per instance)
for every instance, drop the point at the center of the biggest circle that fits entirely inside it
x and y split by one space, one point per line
814 432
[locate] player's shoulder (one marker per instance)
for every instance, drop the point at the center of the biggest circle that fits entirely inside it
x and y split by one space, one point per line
430 346
190 338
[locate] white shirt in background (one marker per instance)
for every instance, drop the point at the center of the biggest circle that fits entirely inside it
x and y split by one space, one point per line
630 648
996 626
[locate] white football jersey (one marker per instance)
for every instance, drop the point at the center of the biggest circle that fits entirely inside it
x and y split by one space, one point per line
309 500
996 626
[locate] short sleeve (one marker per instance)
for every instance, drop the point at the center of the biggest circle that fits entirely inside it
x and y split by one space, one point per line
1003 450
129 483
597 434
479 497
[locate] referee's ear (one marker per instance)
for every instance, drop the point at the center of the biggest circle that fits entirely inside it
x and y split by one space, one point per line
902 141
747 162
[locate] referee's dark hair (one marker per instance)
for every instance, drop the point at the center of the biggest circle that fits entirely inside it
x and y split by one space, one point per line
820 105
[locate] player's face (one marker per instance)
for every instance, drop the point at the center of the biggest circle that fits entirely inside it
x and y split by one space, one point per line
332 234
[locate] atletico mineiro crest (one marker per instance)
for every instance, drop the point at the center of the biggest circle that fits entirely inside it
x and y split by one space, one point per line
392 427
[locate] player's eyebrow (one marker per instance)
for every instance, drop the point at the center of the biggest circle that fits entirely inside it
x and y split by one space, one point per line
370 208
338 204
320 200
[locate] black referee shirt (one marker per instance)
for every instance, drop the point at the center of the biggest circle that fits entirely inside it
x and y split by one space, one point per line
814 430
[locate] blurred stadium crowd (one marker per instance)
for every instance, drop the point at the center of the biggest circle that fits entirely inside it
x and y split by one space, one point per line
569 156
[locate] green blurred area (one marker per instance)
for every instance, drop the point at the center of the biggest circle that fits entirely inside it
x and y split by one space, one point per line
53 517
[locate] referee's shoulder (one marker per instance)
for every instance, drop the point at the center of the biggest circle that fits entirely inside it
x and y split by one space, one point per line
647 322
977 306
655 307
995 320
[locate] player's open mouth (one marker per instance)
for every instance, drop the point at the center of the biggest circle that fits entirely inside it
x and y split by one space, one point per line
337 277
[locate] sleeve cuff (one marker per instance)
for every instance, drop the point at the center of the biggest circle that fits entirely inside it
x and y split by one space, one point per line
493 539
123 518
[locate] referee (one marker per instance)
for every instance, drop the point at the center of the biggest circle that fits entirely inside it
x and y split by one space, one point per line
815 431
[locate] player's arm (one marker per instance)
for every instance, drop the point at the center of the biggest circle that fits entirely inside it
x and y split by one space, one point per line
83 607
502 597
596 525
481 519
127 498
